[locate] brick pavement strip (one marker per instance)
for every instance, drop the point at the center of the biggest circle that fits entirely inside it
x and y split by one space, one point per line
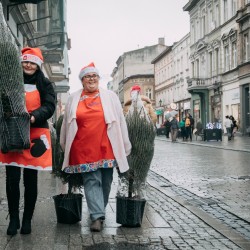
220 226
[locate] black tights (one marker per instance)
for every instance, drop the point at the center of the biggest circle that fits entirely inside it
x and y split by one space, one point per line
13 176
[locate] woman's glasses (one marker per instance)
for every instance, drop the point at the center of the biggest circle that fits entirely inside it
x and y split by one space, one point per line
91 77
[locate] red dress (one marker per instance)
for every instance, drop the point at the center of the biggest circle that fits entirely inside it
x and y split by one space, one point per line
91 148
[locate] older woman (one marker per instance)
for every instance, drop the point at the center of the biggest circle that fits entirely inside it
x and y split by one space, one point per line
94 138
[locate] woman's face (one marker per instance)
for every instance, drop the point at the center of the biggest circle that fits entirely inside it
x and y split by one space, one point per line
29 68
90 82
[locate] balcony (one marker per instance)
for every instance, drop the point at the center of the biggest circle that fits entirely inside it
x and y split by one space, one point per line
197 83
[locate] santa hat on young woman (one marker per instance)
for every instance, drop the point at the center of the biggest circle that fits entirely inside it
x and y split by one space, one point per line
33 55
88 69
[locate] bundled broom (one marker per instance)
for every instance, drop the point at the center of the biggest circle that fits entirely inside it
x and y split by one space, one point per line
141 134
14 119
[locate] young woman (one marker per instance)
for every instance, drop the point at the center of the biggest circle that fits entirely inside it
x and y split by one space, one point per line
40 104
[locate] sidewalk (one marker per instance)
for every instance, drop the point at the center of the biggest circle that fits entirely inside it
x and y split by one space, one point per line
169 221
238 143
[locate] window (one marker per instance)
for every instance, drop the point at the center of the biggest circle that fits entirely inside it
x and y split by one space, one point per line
211 63
203 26
149 93
197 68
211 25
245 47
192 65
217 15
234 7
197 35
216 66
226 58
41 12
193 33
225 10
234 55
181 64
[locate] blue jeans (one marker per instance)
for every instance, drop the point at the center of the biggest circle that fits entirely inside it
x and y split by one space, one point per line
97 187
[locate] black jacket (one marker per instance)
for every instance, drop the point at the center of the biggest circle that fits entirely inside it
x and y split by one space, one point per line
48 99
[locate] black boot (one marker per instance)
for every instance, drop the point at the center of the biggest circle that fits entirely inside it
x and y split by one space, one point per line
26 226
30 196
13 196
14 225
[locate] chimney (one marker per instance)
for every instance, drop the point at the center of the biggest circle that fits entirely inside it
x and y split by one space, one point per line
161 41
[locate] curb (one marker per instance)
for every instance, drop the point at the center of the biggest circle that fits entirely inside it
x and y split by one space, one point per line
205 145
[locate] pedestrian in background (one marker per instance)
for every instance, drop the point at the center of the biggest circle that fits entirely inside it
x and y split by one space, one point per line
191 124
183 130
40 103
95 140
188 127
135 91
228 124
234 125
167 125
174 128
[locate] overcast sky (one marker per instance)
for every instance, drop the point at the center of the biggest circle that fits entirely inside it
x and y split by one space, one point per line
102 30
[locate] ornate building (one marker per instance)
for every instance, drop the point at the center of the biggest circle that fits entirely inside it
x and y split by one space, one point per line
219 83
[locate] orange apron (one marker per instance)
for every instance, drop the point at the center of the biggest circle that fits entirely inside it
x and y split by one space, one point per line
39 156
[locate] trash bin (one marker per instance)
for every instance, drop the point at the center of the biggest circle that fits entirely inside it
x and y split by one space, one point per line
212 134
161 131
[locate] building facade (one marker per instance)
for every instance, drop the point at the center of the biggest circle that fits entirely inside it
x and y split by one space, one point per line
171 69
136 63
219 83
43 24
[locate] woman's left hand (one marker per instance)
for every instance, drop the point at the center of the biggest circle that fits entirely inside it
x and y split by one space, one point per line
32 119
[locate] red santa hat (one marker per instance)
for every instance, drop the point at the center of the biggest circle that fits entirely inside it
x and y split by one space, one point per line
88 69
33 55
136 87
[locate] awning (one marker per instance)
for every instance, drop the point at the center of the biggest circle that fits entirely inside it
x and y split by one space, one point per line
159 112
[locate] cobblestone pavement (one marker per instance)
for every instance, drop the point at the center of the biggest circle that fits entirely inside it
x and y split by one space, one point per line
181 212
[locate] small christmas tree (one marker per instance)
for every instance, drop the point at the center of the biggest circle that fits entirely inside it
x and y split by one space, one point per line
14 119
74 180
141 132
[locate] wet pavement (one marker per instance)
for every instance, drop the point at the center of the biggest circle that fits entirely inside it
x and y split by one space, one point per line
197 198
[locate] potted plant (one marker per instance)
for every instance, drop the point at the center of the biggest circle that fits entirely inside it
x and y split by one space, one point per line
68 206
130 199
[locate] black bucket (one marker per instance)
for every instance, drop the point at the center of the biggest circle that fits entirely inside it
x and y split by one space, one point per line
68 208
129 211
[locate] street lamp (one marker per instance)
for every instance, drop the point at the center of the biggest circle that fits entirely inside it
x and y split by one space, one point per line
160 102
